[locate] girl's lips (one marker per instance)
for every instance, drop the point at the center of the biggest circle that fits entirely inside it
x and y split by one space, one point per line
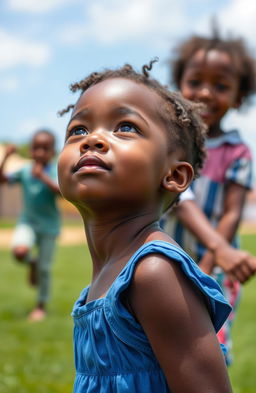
206 111
90 161
205 114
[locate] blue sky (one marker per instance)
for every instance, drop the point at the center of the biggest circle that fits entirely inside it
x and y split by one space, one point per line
47 44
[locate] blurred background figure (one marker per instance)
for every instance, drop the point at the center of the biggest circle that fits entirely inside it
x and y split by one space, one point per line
218 73
39 221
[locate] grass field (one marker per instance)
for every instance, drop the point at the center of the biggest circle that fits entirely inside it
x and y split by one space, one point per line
38 357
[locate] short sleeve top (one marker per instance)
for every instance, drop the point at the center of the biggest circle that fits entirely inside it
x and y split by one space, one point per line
228 159
40 208
112 352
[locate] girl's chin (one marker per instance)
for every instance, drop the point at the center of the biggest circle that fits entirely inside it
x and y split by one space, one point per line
205 116
207 120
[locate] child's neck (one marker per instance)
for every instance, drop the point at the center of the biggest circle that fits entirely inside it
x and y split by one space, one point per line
114 240
44 165
214 131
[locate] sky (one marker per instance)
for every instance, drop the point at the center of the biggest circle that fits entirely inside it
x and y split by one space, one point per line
45 45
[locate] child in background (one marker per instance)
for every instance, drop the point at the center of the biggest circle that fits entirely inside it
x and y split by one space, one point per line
237 264
147 321
219 74
39 222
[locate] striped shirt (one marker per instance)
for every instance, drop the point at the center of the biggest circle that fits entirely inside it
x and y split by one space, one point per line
228 159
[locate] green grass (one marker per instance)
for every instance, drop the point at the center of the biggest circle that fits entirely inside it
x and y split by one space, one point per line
242 372
38 358
7 223
74 220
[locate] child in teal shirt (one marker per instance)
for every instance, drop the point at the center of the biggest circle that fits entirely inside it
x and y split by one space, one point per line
39 221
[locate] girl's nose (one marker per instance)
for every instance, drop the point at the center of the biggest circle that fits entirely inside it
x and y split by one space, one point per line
40 152
205 92
94 141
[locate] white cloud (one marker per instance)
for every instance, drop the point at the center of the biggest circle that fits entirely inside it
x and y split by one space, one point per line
15 51
236 17
239 16
37 6
113 21
158 21
9 84
27 127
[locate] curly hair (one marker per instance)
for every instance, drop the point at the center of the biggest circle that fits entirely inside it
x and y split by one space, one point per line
180 116
242 60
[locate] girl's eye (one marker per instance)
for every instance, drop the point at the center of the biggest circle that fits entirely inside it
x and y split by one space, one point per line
222 87
194 82
77 131
127 128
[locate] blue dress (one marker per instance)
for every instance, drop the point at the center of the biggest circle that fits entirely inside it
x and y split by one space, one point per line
112 352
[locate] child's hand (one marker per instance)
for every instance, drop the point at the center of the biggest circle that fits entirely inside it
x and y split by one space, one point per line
242 266
37 170
237 264
10 149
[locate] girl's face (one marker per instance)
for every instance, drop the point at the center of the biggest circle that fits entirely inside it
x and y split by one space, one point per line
42 148
116 148
210 78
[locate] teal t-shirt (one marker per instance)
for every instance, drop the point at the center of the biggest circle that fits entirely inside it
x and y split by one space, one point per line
40 209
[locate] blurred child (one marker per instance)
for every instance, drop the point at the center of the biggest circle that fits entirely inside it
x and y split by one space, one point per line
39 222
219 74
237 264
147 321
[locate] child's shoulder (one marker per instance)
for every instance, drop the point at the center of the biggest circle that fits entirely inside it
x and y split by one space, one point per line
227 149
157 268
229 139
160 262
161 294
167 273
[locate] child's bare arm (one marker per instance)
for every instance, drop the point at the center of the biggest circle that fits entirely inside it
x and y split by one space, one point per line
233 206
10 149
194 219
228 225
175 319
38 171
237 264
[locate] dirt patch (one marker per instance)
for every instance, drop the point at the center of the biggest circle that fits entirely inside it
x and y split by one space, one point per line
248 228
69 236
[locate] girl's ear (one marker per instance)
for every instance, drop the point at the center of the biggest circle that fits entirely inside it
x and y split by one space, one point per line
178 178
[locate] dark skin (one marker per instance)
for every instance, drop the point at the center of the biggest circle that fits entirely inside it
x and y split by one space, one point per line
116 167
210 78
183 339
42 151
237 264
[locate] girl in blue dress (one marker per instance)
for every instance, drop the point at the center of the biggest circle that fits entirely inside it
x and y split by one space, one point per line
148 320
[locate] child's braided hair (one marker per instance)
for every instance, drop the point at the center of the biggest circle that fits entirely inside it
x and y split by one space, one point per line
179 115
